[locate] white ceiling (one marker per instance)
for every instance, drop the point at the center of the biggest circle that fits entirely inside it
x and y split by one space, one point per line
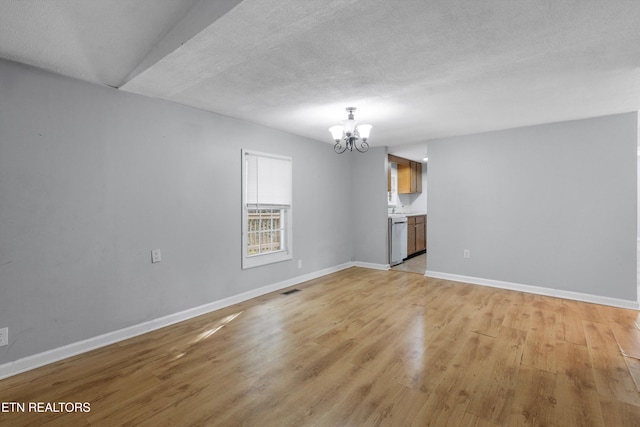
415 69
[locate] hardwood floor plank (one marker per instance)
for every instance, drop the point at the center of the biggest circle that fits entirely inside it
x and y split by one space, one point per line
534 403
388 351
576 392
373 401
493 396
268 392
343 331
633 365
592 312
302 399
491 315
174 401
401 411
471 420
547 303
448 403
355 397
619 316
439 352
519 314
611 374
540 345
44 419
616 413
570 328
628 337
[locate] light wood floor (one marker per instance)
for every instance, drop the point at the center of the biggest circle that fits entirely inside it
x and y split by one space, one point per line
359 347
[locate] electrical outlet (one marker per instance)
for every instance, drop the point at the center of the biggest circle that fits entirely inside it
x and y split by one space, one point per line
299 263
467 253
156 256
4 336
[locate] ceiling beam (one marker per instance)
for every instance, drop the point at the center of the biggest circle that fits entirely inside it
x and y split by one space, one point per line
202 15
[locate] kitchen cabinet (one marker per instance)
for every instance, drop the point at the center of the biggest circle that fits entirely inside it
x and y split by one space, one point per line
421 233
416 234
409 175
415 175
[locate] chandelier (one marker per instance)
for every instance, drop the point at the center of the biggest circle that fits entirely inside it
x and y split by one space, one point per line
349 136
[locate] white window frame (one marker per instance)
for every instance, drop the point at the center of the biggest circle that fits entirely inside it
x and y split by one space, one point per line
286 216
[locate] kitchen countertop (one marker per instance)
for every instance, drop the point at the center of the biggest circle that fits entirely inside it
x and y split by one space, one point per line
397 214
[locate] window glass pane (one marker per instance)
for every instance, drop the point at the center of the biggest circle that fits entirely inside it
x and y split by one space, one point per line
253 243
265 231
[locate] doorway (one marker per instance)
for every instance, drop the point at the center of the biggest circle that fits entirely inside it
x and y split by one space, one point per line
416 264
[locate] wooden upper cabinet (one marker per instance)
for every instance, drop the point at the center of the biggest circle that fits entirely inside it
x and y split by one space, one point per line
416 177
409 175
404 179
399 160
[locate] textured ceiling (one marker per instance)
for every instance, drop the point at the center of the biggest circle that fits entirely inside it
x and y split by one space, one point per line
415 69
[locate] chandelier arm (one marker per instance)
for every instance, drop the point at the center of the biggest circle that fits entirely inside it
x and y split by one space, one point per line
338 148
364 145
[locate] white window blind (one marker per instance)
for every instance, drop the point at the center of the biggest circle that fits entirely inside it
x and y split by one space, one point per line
268 180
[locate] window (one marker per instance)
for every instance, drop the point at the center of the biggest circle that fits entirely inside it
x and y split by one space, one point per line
266 208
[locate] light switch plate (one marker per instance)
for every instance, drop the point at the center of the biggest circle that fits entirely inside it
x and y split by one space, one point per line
4 336
156 256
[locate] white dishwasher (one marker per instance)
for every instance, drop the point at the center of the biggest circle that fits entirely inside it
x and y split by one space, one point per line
397 239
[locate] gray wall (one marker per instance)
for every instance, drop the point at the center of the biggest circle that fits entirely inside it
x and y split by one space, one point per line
92 179
369 206
551 206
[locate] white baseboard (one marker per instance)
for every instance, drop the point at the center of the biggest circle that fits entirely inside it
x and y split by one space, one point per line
577 296
37 360
371 265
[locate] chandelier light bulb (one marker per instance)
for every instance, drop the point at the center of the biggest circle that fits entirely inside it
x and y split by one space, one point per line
336 132
364 131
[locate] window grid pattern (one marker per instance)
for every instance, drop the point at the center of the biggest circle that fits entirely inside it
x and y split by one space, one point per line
265 231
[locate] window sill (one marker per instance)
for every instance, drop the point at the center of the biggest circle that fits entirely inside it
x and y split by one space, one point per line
258 260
